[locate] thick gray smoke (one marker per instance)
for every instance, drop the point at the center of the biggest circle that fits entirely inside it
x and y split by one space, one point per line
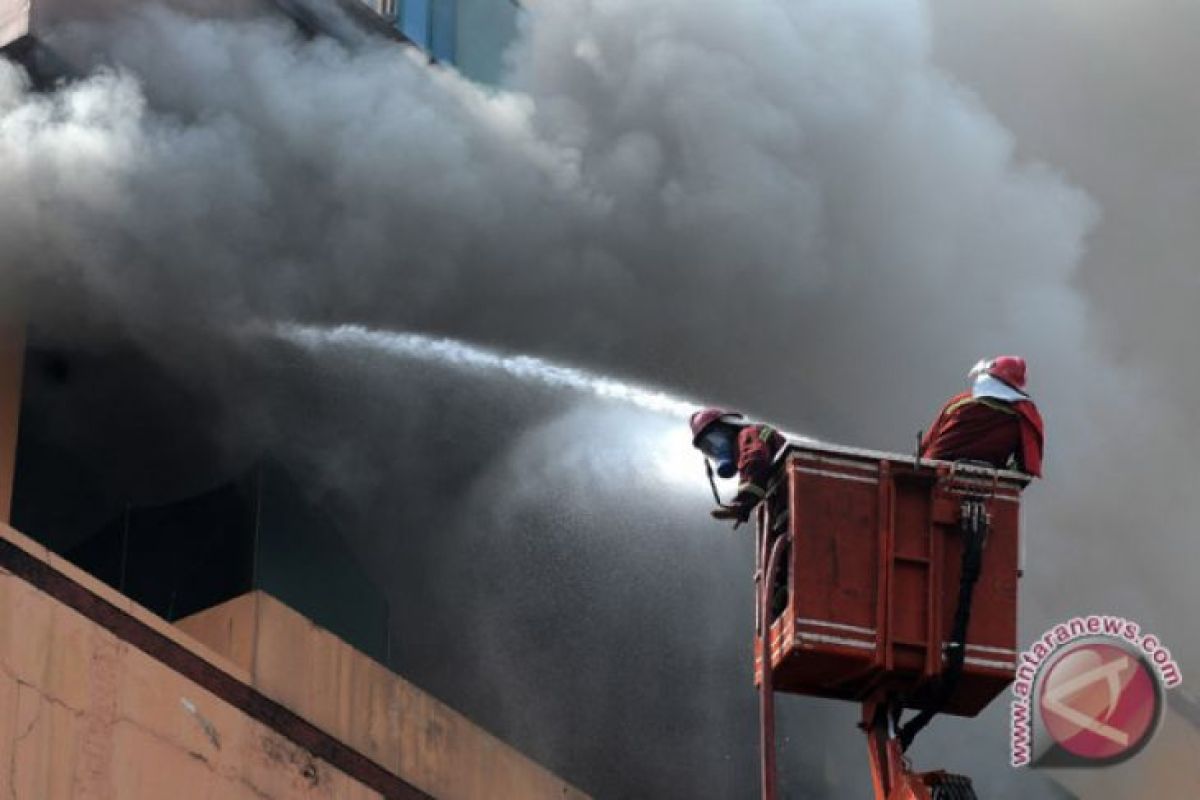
780 205
1104 90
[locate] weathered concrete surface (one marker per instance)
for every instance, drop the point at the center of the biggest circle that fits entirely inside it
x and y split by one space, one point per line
85 715
352 697
1169 767
14 20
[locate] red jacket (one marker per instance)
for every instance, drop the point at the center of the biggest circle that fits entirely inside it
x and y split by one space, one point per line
757 447
987 429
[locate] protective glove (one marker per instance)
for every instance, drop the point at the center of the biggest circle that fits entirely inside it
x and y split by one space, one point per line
736 512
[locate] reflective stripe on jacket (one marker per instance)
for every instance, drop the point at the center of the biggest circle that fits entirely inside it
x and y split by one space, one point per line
987 429
757 447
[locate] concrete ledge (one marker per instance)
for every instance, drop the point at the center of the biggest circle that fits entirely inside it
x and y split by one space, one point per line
32 563
343 691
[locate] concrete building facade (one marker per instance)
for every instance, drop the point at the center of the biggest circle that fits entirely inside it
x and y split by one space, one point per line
101 698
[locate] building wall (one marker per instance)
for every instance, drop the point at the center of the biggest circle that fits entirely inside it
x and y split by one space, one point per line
85 715
101 699
363 704
14 20
1169 767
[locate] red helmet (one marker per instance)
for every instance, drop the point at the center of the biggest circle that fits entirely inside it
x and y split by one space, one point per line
1010 369
703 419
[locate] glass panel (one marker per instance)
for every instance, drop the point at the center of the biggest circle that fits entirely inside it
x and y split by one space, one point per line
414 22
484 28
444 29
115 472
304 561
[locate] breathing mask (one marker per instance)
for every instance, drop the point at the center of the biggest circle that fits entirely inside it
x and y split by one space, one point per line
718 445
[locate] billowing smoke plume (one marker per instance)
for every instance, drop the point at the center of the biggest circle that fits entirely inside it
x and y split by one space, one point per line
783 206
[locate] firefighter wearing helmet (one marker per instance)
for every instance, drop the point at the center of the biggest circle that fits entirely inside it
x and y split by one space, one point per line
995 421
736 448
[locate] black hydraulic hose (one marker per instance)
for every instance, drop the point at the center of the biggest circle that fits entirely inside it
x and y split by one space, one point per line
974 527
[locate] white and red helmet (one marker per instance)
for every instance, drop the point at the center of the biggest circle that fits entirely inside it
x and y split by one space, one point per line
1009 369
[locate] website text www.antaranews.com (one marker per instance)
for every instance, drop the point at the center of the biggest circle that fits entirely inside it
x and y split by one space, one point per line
1095 625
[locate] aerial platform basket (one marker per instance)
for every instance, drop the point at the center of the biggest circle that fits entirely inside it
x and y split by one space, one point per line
872 577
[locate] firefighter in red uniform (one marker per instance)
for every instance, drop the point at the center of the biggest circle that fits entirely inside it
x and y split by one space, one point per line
739 448
995 421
